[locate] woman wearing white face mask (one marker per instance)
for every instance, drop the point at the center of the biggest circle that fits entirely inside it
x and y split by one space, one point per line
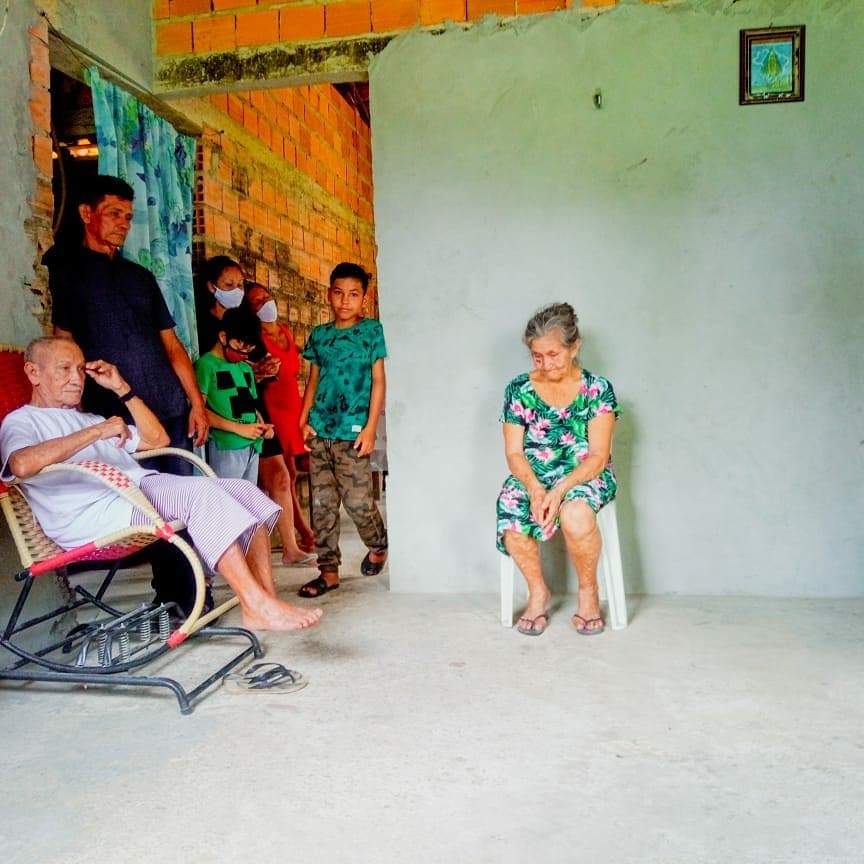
223 281
281 394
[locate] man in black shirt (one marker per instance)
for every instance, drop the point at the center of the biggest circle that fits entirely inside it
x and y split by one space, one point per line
114 309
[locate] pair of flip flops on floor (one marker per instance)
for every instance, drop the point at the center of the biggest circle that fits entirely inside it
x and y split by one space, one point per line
536 626
319 586
264 678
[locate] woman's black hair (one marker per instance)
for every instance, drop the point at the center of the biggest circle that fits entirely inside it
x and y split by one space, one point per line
214 267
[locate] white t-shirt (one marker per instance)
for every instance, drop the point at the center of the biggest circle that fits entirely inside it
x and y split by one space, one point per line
72 509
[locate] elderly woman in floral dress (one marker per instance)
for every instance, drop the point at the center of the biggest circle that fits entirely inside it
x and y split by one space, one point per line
558 422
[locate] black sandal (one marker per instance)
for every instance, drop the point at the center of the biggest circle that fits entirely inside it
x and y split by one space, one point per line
316 587
368 567
264 678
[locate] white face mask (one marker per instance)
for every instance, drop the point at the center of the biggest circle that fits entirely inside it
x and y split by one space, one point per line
268 313
230 299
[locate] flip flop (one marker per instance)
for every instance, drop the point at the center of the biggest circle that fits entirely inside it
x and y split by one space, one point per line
584 629
316 587
264 678
305 561
533 628
368 567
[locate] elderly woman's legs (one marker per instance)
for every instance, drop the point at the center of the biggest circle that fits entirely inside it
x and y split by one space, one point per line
583 540
525 551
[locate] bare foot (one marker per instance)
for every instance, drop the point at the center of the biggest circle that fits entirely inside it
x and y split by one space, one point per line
277 615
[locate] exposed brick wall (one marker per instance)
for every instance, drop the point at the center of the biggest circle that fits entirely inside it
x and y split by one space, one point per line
202 26
315 130
38 225
286 189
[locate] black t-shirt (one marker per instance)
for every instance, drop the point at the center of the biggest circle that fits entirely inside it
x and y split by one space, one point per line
115 311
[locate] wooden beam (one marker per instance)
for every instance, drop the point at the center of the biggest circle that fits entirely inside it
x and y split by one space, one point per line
282 66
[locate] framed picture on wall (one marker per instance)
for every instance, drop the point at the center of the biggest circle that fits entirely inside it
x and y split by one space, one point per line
772 65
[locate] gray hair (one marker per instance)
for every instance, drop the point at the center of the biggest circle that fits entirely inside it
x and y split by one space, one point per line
555 316
35 350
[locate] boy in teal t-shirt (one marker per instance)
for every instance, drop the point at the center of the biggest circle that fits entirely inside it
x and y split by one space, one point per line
227 383
341 406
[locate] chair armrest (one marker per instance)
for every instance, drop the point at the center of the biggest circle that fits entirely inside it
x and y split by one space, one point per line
197 461
114 479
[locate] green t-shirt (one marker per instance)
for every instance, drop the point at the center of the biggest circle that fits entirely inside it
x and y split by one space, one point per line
345 358
229 391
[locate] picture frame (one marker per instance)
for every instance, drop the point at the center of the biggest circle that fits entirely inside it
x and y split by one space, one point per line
771 65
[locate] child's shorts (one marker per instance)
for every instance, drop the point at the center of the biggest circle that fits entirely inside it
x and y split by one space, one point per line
241 464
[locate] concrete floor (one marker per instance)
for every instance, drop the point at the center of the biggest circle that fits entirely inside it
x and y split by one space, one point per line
711 730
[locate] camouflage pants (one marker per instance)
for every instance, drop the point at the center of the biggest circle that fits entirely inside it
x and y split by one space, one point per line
339 476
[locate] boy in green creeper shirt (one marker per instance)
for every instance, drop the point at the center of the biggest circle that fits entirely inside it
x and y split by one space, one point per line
341 406
227 383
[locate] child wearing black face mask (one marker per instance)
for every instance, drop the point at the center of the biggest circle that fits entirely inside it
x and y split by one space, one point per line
227 383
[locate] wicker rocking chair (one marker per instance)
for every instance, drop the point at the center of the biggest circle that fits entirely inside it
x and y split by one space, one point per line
110 647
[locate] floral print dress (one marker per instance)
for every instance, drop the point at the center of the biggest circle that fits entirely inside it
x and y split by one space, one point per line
556 439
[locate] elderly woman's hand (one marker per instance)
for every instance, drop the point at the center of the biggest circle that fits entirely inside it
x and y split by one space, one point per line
545 504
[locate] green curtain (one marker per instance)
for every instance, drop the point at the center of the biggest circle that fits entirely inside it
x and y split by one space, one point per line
159 163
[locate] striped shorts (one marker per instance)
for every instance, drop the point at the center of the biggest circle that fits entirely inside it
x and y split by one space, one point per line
216 511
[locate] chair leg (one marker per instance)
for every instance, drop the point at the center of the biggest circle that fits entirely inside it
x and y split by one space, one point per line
611 569
507 566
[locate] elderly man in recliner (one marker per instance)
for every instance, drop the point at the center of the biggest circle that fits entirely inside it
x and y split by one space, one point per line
228 520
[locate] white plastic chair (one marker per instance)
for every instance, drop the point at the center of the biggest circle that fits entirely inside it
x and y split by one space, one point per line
610 573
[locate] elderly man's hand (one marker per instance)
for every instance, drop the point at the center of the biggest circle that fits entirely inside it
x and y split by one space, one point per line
106 375
114 428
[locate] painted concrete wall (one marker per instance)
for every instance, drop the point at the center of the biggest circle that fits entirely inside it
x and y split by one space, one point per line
713 252
18 175
120 34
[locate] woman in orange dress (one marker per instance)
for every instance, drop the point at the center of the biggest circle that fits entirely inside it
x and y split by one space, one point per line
281 393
